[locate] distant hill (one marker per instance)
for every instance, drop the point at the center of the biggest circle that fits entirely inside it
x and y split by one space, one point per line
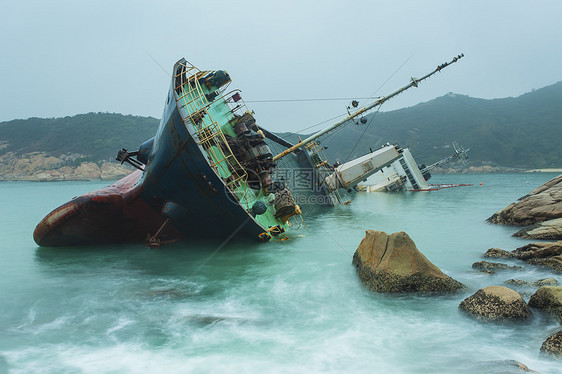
98 136
520 132
524 132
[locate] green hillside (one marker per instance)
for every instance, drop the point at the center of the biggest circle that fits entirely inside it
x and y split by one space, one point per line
524 132
516 132
97 135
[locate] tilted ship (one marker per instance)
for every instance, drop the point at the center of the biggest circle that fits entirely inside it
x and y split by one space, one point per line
405 174
209 174
333 184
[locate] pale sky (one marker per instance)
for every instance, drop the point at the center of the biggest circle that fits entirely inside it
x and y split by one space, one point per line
62 58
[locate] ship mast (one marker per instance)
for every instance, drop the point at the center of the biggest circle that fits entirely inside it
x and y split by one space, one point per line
413 83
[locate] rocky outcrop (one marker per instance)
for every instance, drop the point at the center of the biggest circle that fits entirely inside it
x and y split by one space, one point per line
548 254
552 346
554 263
112 170
517 282
498 253
40 166
544 254
88 171
549 299
538 283
547 230
496 303
487 168
542 204
493 266
538 250
392 263
545 282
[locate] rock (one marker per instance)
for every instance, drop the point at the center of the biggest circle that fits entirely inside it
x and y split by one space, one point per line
538 250
88 171
485 265
498 253
538 283
496 303
49 163
32 163
490 272
392 263
40 166
548 254
547 230
486 167
554 263
552 346
517 282
49 175
22 166
549 299
545 282
111 171
542 204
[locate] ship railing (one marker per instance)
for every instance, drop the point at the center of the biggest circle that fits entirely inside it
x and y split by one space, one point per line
315 148
320 162
296 220
340 199
236 104
210 136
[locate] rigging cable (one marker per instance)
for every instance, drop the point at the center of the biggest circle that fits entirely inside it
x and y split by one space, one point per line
378 109
157 63
331 119
364 131
331 133
302 100
389 78
319 123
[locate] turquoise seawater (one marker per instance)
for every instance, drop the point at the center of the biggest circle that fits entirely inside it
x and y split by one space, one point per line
285 307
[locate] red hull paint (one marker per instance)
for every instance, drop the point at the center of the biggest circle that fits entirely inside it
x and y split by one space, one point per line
113 214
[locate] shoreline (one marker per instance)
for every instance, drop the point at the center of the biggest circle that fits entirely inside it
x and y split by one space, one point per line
551 170
42 178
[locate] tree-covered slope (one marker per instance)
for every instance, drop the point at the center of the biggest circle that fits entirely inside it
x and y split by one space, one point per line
517 132
97 135
525 131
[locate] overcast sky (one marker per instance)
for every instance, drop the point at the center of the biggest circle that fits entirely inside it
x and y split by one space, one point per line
62 58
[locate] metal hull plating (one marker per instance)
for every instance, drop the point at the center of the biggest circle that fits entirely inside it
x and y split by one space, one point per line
182 191
178 184
114 214
191 194
207 174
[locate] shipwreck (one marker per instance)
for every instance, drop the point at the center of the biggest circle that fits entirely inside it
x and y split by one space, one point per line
209 173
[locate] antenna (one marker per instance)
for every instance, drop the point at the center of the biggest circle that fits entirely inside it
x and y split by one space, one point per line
461 153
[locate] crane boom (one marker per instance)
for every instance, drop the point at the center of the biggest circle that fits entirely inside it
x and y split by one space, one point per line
413 83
